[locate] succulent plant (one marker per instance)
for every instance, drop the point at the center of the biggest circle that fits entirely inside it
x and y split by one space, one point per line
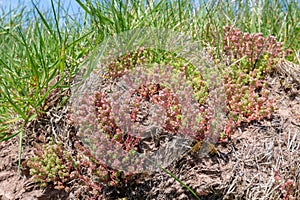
52 164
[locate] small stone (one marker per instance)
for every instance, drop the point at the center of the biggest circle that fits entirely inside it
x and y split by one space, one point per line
182 197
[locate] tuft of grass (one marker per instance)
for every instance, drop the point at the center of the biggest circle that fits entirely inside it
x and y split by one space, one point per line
34 61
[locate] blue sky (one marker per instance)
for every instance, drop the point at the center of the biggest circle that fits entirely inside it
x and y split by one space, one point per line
69 5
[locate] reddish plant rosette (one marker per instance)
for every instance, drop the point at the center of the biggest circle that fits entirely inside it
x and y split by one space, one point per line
119 112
